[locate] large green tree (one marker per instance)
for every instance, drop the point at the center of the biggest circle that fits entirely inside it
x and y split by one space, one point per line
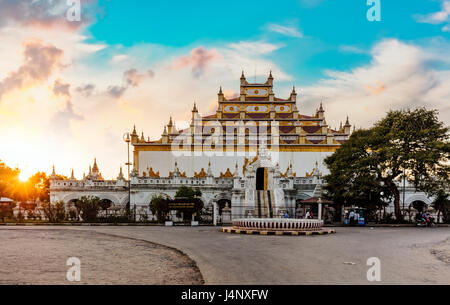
159 207
441 203
89 207
188 192
407 143
353 175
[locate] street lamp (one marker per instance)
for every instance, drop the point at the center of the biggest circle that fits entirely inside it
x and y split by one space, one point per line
126 138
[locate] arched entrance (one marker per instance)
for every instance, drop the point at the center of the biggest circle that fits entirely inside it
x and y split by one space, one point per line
419 205
222 203
261 179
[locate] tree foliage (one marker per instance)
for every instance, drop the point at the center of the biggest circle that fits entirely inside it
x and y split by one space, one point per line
188 192
37 187
159 207
442 204
406 143
55 212
89 207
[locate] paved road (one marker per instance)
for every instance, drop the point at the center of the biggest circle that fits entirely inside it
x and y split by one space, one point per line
408 255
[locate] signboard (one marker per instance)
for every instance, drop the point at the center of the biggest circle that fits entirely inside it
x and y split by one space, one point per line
181 205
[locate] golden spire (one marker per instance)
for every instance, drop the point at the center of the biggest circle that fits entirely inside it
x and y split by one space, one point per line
347 123
53 171
321 107
72 176
195 108
134 130
95 167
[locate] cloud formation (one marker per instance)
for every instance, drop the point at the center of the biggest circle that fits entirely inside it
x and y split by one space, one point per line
285 30
61 88
38 13
39 62
400 75
86 90
198 60
440 17
131 78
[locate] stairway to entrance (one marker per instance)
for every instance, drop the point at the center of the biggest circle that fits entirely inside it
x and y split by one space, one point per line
264 204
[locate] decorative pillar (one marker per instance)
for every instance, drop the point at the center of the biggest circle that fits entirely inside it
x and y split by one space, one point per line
215 213
320 209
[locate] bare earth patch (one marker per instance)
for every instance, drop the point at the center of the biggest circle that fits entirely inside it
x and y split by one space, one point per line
442 251
39 257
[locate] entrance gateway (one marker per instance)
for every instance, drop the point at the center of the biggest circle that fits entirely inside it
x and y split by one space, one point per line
265 202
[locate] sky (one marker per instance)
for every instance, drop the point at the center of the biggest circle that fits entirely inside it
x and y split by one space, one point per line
70 89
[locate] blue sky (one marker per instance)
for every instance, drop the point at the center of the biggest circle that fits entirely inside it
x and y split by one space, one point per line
79 86
326 27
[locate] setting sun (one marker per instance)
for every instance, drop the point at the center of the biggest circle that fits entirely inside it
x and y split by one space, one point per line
23 176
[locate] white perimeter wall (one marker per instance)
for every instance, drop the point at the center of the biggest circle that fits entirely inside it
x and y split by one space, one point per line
164 161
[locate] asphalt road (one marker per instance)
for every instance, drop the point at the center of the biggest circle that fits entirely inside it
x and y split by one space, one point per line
407 255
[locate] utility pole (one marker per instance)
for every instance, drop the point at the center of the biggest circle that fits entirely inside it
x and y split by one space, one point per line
126 137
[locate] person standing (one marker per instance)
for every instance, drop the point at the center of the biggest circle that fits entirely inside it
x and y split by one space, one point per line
351 218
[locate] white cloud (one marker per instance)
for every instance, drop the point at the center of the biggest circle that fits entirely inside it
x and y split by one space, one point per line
119 58
442 16
351 49
399 75
285 30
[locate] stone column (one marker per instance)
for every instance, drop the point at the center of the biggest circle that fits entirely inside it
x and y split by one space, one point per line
215 212
319 208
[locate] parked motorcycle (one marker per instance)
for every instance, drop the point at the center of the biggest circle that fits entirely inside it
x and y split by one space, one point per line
428 222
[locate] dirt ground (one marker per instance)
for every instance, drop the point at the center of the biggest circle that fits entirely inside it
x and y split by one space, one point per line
40 257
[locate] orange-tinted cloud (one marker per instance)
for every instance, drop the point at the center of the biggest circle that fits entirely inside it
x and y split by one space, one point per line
61 88
40 61
198 59
42 13
132 78
378 89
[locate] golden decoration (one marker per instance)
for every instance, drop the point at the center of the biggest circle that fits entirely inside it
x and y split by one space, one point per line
227 174
152 174
201 174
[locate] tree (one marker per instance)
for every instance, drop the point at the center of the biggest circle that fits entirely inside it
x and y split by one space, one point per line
55 212
41 183
89 207
188 192
159 207
442 204
353 176
6 210
406 143
8 179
